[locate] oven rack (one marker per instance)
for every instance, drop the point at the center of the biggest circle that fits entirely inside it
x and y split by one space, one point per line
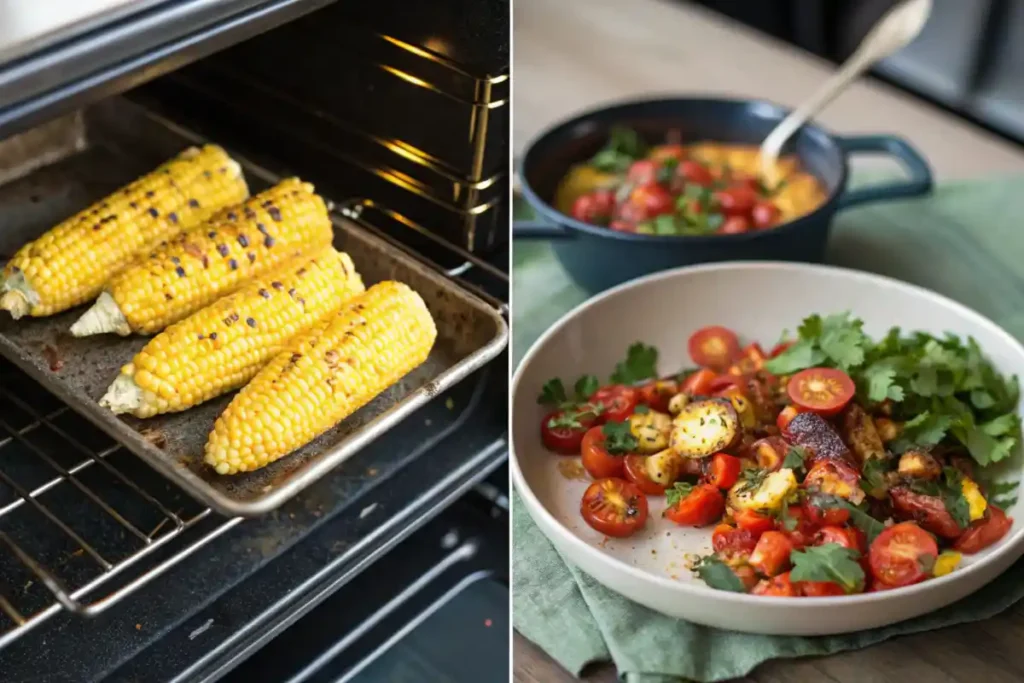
49 489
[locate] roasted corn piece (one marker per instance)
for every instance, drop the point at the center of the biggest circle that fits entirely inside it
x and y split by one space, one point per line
222 346
69 264
323 377
198 266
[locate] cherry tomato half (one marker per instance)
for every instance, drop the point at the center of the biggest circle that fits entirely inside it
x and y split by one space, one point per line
824 391
771 555
618 402
724 382
734 225
799 527
729 538
724 471
636 472
901 555
765 214
699 383
562 431
753 521
779 586
653 198
614 507
702 506
835 517
642 172
594 207
658 393
596 458
714 347
837 534
737 200
928 511
818 589
751 360
984 532
695 172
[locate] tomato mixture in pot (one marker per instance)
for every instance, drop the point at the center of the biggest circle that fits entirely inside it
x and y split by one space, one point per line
831 464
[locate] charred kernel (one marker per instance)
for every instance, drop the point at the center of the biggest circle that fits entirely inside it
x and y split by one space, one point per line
292 292
180 271
149 194
252 257
296 357
277 285
107 219
202 336
243 240
249 213
97 226
194 203
264 293
173 216
250 322
234 317
206 261
267 203
227 321
168 296
133 205
153 212
232 216
223 169
234 264
212 235
222 249
207 174
262 228
213 335
175 260
275 213
300 272
269 241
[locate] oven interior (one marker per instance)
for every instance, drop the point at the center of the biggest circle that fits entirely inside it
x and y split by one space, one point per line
398 113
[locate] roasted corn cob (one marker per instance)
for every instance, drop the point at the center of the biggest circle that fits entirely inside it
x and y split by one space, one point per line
323 377
69 264
222 346
198 266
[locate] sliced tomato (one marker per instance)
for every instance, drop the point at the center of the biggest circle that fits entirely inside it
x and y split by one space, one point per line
746 575
636 472
618 402
824 391
596 458
614 507
734 225
785 417
702 506
928 511
658 393
642 172
753 521
724 470
799 527
902 555
695 172
751 360
737 200
562 431
779 348
779 586
654 199
771 555
984 532
765 214
714 347
699 383
594 207
837 534
725 382
835 517
818 589
729 538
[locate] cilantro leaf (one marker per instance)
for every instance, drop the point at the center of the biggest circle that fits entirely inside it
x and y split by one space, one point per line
1003 425
873 478
1003 493
925 429
624 146
618 439
640 364
586 386
800 356
795 458
829 562
953 497
861 519
552 393
717 574
679 490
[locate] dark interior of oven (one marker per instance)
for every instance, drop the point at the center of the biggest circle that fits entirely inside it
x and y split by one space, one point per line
397 112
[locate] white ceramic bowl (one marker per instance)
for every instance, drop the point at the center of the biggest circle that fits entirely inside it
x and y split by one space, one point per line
758 301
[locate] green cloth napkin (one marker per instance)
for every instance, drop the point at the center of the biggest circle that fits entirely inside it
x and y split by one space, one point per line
965 241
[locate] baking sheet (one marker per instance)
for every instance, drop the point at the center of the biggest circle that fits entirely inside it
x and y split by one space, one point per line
124 141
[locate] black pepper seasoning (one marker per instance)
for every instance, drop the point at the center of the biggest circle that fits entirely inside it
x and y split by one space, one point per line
234 264
180 271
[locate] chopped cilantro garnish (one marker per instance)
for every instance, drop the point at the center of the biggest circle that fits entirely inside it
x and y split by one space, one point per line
586 386
552 393
679 490
953 497
640 364
717 574
618 439
829 562
624 146
795 458
873 477
861 519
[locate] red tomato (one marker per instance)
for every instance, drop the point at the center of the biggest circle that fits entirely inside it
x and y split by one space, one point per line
751 360
753 521
714 347
785 417
660 153
984 532
658 393
618 401
734 225
736 200
747 575
901 554
827 517
824 391
695 172
562 431
724 382
779 348
702 506
699 383
642 172
596 458
765 214
928 511
654 199
628 213
837 534
769 452
771 555
801 530
724 471
594 207
614 507
818 589
745 180
622 226
636 472
726 537
779 586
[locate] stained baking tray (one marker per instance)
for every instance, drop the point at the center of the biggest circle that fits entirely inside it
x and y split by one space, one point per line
121 141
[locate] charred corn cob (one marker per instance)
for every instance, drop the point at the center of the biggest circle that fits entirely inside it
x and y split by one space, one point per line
222 346
323 377
198 266
69 264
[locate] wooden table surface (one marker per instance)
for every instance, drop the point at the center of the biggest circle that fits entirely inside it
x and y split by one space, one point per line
571 55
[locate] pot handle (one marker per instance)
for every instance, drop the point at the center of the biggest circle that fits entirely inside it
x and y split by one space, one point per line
920 180
538 230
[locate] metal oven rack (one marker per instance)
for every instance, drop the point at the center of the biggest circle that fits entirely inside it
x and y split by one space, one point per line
83 522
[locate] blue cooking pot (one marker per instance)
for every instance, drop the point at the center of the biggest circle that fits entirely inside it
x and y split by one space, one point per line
598 258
